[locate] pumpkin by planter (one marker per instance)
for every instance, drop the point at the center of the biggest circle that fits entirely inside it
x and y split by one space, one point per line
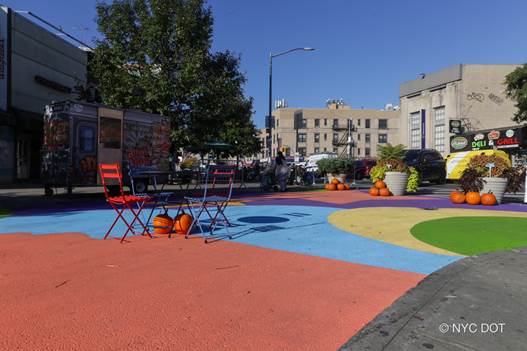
335 181
341 187
380 184
457 197
332 186
385 192
162 224
473 198
373 191
488 199
182 223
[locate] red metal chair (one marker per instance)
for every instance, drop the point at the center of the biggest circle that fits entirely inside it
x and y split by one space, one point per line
110 173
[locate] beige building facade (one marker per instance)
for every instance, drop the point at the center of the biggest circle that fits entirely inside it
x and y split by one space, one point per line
332 130
469 93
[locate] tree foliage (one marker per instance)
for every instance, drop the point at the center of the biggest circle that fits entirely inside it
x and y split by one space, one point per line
155 55
516 88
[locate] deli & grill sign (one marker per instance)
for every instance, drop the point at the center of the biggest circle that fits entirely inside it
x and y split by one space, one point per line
490 139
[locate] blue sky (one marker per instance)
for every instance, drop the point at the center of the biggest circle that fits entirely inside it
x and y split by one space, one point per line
364 49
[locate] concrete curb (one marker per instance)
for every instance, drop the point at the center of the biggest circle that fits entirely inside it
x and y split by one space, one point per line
472 293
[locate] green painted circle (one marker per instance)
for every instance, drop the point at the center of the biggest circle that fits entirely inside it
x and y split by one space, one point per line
473 235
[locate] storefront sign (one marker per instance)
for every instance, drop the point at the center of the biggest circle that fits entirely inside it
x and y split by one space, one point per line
493 139
4 56
455 126
459 143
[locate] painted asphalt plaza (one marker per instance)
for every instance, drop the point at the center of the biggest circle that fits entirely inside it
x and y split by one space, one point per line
312 258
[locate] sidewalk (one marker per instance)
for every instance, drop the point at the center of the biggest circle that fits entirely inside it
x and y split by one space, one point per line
477 303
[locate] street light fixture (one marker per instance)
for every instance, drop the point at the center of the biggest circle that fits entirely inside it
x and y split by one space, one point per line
269 116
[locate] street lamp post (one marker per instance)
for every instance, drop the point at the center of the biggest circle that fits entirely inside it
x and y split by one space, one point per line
269 126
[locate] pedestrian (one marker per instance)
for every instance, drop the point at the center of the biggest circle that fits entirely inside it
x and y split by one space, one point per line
281 171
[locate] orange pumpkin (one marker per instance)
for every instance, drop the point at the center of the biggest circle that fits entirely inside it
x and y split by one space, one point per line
385 192
335 181
347 186
162 224
473 198
380 184
341 187
373 191
326 186
457 197
332 186
488 199
182 223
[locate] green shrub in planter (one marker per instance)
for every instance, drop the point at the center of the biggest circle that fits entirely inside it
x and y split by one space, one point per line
339 165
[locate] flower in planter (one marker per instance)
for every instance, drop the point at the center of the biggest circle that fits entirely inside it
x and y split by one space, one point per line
391 159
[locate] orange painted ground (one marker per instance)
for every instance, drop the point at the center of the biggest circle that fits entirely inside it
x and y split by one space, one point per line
69 292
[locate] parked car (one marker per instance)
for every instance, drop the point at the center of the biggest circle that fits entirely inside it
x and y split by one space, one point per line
429 163
311 162
363 167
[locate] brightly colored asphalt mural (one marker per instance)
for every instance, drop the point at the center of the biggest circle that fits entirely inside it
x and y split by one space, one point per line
364 231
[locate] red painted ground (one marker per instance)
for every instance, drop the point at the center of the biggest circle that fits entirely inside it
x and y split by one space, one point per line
69 292
334 197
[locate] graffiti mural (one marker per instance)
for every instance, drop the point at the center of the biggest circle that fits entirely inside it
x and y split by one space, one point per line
476 97
495 98
137 144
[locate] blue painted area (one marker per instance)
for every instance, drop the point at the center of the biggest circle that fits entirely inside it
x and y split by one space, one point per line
299 229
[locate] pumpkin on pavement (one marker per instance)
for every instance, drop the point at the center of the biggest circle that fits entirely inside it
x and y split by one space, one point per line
341 187
162 224
380 184
335 181
182 223
332 186
473 198
488 199
373 191
385 192
457 197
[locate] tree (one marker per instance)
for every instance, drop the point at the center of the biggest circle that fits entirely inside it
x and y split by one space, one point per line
516 88
155 55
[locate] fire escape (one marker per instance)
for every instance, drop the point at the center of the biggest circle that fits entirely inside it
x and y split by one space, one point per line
345 138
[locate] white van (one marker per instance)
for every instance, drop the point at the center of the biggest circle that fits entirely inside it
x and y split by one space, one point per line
311 162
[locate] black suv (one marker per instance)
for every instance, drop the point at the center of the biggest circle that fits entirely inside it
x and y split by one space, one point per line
429 163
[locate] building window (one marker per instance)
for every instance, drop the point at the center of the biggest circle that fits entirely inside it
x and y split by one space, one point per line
367 138
303 124
336 150
335 123
358 137
325 137
301 137
358 151
301 151
415 130
325 121
439 135
439 129
274 138
383 138
317 137
335 137
317 150
325 149
367 122
277 123
358 122
367 152
383 124
317 122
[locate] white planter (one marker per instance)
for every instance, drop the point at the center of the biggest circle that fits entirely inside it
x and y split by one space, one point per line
496 186
341 177
396 182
